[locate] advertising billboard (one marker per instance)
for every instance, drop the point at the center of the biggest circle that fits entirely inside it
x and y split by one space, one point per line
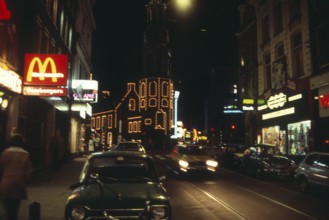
45 69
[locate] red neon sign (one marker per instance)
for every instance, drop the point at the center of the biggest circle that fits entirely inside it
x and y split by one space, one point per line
324 101
4 12
45 69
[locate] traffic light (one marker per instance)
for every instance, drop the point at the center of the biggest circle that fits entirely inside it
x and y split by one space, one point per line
212 130
233 126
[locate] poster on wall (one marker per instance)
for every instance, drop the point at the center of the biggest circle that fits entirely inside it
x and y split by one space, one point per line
271 135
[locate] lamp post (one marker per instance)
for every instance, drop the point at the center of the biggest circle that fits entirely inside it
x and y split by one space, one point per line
176 96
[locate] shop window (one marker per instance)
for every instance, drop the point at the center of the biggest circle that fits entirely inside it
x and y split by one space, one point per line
299 138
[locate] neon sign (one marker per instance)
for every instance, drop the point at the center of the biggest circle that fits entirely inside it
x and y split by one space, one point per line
5 14
11 80
324 101
45 69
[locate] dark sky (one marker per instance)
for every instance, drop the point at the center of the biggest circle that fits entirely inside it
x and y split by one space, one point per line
198 59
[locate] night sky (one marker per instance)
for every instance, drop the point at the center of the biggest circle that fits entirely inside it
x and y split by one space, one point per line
200 59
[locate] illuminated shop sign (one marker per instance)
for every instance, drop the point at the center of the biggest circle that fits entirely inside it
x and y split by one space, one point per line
5 14
85 90
44 91
10 80
287 111
324 101
276 101
279 100
45 69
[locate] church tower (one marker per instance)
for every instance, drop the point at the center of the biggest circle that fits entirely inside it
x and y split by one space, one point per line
156 89
157 53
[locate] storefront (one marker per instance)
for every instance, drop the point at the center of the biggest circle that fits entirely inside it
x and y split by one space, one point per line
10 89
286 122
320 87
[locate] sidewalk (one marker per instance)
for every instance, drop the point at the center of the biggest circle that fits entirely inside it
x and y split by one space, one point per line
51 189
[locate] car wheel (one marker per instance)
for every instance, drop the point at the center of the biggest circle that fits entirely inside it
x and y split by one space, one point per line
303 185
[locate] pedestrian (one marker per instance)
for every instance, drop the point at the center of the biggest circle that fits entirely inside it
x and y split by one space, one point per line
91 146
97 142
57 148
16 170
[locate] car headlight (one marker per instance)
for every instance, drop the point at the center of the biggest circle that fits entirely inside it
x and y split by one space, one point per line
183 163
159 212
212 163
78 213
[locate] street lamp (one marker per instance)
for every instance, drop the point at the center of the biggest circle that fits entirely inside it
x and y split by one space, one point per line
176 96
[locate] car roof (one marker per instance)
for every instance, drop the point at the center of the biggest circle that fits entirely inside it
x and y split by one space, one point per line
113 153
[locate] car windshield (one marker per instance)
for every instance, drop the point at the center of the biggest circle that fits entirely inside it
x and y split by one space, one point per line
128 147
192 150
267 150
123 167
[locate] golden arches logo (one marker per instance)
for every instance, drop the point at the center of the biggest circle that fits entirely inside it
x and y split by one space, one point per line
42 69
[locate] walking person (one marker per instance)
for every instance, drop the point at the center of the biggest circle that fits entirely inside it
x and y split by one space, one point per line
57 148
16 170
91 147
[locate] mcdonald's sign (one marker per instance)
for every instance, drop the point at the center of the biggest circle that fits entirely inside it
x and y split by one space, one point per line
45 69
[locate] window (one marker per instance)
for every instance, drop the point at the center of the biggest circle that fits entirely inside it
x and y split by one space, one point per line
109 121
132 105
323 44
266 29
278 23
267 71
297 55
294 9
279 50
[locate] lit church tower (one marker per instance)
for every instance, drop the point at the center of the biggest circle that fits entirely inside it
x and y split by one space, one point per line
156 89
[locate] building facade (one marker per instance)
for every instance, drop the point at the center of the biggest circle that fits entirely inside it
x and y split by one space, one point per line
42 31
146 111
284 87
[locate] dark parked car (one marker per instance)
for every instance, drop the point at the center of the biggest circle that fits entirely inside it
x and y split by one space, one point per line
266 160
313 171
191 158
120 184
232 155
129 146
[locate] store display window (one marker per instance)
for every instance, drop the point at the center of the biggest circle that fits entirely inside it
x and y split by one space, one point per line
299 138
274 136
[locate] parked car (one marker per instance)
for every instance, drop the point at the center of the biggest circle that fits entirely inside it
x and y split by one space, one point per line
129 146
313 172
191 158
232 154
265 160
119 184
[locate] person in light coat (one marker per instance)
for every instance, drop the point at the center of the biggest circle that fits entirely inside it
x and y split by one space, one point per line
16 170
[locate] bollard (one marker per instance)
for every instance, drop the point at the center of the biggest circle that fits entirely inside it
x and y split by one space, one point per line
35 211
